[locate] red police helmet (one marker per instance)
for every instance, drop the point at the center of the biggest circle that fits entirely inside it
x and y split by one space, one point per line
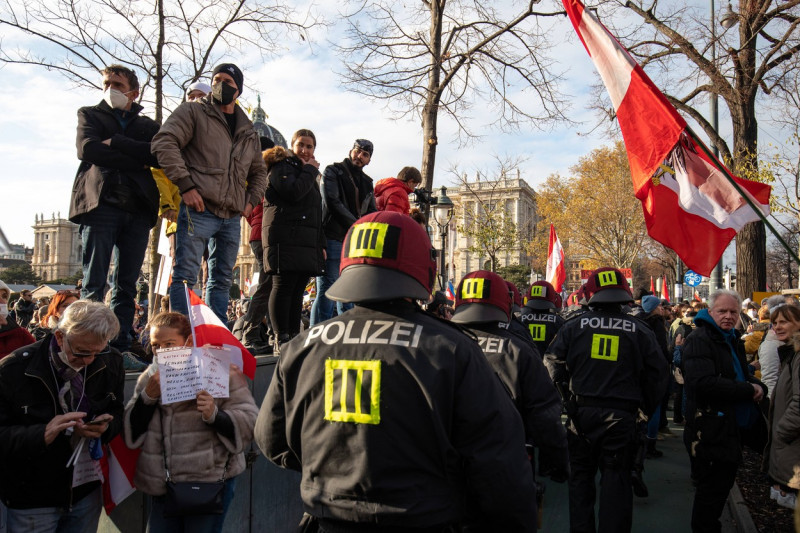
385 256
607 285
482 296
516 297
542 295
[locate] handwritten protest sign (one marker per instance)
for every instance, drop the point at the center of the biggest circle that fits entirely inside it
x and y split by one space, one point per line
187 371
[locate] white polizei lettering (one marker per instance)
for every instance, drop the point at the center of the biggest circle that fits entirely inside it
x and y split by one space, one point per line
491 345
374 332
609 323
540 317
365 331
313 333
340 327
417 335
400 329
347 338
383 325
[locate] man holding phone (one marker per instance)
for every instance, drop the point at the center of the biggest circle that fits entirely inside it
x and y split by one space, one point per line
60 398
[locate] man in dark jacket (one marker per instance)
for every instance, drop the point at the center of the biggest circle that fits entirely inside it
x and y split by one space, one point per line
115 198
721 405
612 366
347 194
24 308
394 417
483 306
59 398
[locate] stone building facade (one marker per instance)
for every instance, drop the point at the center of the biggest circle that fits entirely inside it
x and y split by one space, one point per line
513 194
56 247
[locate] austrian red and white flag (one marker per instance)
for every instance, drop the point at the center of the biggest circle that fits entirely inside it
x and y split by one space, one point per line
665 292
688 203
556 272
207 328
118 466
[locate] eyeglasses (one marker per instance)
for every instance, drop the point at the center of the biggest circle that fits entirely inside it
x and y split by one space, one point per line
104 351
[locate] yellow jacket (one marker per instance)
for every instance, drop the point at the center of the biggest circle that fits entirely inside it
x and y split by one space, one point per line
169 197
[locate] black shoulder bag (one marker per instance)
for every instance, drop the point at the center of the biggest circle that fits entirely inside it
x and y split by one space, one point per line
189 498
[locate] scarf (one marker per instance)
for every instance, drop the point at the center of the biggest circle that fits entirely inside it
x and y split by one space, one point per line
70 394
746 411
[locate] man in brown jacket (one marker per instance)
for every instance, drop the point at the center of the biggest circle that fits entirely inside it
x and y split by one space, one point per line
211 151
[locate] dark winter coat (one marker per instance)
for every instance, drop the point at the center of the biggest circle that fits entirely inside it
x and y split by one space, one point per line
712 391
347 195
35 474
433 424
291 231
118 174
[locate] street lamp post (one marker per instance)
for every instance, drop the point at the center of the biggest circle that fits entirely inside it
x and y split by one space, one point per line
442 214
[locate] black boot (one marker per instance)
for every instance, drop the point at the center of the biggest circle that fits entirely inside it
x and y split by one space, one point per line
652 453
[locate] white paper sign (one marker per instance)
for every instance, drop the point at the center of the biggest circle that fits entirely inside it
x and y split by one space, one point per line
187 371
86 469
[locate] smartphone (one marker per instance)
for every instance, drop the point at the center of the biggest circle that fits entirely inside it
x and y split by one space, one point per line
96 422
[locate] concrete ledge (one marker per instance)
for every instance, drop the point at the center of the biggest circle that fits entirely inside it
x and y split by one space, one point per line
741 514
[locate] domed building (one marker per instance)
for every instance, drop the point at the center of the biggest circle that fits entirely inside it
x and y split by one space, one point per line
265 130
245 265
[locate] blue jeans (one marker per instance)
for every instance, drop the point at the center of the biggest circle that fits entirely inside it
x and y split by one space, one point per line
107 231
322 309
196 231
82 518
210 523
653 423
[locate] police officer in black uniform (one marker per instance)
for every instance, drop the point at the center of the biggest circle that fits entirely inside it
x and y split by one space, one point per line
482 305
539 314
394 417
613 366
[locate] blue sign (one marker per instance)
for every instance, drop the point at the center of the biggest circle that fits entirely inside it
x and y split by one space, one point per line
692 278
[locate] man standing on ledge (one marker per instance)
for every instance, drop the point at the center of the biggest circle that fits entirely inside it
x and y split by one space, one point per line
347 194
114 197
210 150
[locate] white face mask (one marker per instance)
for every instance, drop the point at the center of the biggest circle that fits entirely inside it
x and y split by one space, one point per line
116 99
3 310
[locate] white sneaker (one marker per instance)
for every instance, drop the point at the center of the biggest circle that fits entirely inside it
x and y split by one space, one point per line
789 501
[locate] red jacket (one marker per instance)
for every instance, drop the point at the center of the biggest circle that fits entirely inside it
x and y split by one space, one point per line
12 337
254 220
391 194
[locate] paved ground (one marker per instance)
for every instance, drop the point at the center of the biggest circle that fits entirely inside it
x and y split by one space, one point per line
668 509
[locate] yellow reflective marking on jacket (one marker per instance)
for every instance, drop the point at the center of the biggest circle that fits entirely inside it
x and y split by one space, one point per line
538 331
366 386
605 347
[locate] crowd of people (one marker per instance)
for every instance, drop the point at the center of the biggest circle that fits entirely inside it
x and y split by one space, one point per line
385 395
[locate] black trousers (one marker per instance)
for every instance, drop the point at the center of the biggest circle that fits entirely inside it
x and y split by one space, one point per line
286 302
259 305
714 482
607 443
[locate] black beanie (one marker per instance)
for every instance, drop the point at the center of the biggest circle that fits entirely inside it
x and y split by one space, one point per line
233 71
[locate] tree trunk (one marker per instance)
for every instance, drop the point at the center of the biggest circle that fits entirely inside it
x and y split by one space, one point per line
433 94
751 241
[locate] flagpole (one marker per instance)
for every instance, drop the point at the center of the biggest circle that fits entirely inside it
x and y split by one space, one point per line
189 309
739 189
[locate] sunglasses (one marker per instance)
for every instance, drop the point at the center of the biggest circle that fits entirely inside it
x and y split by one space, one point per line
104 351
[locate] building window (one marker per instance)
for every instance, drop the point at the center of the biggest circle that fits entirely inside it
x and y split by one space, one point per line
46 255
